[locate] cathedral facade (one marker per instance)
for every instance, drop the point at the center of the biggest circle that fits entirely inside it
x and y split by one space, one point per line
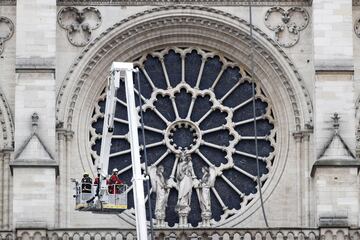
206 72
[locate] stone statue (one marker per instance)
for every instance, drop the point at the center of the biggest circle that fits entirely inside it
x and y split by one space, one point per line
159 186
184 178
207 181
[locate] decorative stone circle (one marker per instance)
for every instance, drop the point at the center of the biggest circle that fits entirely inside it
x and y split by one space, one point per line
357 27
183 135
79 24
286 24
201 101
6 31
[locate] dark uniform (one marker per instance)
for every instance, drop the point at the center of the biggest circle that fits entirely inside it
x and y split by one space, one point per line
86 183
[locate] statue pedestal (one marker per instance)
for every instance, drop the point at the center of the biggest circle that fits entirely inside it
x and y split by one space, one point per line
206 217
160 219
183 221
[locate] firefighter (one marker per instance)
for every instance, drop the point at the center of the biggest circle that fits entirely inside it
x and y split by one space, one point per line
86 183
114 182
97 179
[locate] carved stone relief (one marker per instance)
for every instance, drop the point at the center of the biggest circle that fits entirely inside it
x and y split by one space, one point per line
6 31
357 27
286 24
79 24
161 189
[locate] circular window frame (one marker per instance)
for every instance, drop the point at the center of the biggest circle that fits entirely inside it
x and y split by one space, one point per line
275 77
197 91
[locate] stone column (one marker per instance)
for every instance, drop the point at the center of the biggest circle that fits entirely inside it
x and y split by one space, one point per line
5 189
2 183
69 201
34 167
7 201
62 180
307 182
64 144
298 139
303 175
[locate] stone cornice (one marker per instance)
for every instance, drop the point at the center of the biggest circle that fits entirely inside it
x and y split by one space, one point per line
334 164
195 2
7 2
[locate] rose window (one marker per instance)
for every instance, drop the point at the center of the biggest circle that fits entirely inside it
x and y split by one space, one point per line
199 102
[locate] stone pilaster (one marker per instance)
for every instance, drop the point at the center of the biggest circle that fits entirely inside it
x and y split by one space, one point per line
333 60
303 175
34 168
63 203
5 189
299 185
336 182
335 186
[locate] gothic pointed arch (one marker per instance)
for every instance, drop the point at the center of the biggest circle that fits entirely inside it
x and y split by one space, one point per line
7 124
6 154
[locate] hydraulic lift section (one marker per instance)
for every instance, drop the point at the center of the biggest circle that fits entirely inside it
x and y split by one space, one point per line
99 199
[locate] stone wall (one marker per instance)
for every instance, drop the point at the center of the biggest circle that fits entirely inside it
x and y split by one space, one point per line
46 68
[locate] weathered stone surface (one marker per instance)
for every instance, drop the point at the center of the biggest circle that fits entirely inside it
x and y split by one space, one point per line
307 79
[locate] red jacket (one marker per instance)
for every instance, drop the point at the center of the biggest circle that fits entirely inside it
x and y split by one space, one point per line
96 181
114 179
113 183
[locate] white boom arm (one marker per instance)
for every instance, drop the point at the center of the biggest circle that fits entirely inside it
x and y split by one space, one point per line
122 71
112 86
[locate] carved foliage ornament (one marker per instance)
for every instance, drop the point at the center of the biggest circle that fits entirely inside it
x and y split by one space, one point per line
79 24
6 31
286 24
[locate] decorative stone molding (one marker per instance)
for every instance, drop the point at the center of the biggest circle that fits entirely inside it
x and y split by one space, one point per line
286 24
79 24
6 31
6 124
329 233
198 233
33 152
7 2
202 2
335 153
157 23
357 27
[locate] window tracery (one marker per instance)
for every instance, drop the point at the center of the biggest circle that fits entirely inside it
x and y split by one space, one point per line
196 101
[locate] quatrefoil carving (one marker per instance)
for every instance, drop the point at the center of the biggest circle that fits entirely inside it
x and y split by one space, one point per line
79 24
286 24
6 31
